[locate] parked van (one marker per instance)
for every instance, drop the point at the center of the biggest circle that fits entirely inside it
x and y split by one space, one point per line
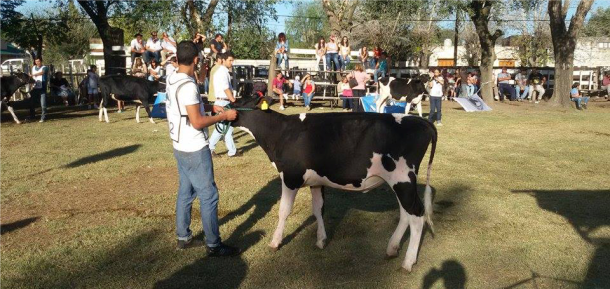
14 65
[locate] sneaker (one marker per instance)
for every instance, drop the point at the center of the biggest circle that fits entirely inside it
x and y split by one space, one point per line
237 154
308 108
282 107
584 105
41 120
537 102
222 250
438 123
119 111
190 243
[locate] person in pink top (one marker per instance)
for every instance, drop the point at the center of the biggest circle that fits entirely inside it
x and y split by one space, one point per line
359 90
278 87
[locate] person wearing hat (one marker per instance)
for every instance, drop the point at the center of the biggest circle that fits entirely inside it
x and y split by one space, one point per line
170 65
521 85
606 83
137 47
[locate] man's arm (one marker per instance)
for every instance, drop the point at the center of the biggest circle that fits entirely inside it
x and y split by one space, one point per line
213 48
199 121
229 94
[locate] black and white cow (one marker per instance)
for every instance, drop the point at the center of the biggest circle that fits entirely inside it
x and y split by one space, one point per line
9 85
131 89
409 90
349 151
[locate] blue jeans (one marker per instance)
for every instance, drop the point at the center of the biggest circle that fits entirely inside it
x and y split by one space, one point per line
148 56
335 58
307 98
505 88
281 56
435 107
228 136
35 94
377 71
197 180
580 100
525 92
347 103
345 61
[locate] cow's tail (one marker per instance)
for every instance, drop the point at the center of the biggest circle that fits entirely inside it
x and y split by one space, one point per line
428 191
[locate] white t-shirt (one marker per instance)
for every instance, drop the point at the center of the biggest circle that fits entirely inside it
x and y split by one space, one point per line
136 45
169 46
157 69
437 89
38 78
154 45
169 70
222 81
185 137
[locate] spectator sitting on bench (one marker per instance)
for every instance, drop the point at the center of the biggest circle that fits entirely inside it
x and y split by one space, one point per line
581 101
61 87
296 85
309 88
606 84
278 87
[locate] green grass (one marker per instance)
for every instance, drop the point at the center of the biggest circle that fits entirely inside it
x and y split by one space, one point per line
522 200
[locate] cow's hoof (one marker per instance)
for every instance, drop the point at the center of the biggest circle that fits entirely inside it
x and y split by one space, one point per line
404 271
390 256
18 122
152 121
273 248
321 244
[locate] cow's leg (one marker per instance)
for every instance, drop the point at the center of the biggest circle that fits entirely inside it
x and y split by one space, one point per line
137 113
147 108
317 204
381 103
12 111
419 108
412 204
101 115
408 108
102 104
403 224
286 203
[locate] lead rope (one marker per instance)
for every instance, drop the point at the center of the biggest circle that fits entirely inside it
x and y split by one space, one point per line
226 124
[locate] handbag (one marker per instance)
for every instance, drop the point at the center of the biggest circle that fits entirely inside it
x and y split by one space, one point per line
352 81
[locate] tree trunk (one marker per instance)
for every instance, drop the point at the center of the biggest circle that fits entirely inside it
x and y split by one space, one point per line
564 44
488 56
340 15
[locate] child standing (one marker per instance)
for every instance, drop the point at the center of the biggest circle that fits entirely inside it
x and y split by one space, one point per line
345 92
296 87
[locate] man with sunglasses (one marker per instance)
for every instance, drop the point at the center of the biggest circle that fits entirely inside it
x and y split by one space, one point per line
153 48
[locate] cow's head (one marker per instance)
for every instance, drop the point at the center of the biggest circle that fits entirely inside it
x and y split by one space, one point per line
424 78
251 102
24 78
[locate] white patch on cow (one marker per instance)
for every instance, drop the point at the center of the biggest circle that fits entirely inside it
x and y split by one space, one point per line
376 175
247 130
273 164
398 117
409 81
302 116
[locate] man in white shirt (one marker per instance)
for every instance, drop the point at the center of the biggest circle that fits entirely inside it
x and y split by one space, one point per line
39 91
153 48
187 120
436 97
169 46
137 47
223 91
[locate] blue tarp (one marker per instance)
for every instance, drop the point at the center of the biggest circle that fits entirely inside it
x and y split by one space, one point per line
158 110
368 103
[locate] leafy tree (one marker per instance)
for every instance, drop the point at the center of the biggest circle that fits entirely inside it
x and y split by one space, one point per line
599 23
248 42
564 44
147 16
340 14
309 24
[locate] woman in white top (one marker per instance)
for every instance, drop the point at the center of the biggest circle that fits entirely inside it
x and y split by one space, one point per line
436 96
321 53
332 53
364 57
155 71
344 52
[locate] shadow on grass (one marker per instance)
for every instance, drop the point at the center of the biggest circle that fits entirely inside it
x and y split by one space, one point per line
103 156
6 228
587 211
452 273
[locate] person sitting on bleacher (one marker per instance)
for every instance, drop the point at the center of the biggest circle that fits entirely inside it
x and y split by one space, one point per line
345 92
154 71
278 87
281 50
296 85
581 101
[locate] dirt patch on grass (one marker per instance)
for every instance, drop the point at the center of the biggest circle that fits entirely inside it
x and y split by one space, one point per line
67 208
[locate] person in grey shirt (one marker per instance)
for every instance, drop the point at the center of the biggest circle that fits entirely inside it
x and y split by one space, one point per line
521 85
504 84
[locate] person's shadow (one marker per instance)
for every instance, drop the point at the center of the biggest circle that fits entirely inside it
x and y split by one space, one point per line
451 272
587 211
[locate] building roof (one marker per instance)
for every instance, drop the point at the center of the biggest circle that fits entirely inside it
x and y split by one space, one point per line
10 49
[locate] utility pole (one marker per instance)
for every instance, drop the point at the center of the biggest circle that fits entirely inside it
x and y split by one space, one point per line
455 37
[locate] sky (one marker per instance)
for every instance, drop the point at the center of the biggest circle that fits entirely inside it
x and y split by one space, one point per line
286 7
